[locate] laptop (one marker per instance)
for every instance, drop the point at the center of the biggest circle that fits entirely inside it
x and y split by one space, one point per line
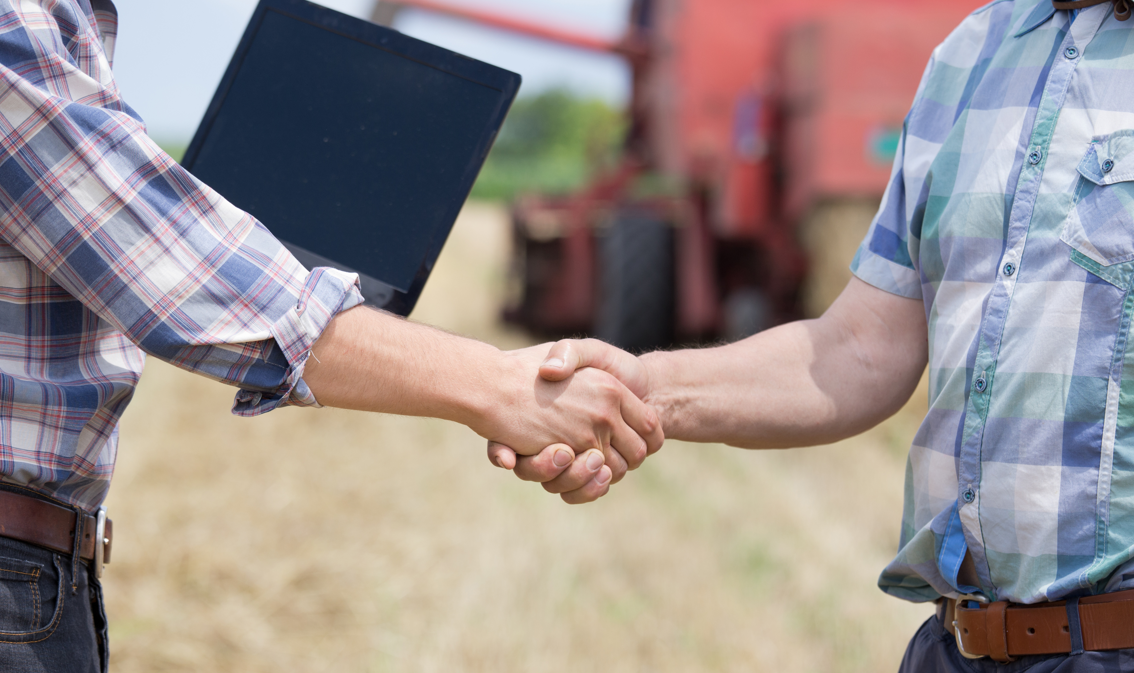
354 144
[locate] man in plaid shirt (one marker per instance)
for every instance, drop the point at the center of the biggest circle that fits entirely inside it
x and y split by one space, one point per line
1002 257
109 250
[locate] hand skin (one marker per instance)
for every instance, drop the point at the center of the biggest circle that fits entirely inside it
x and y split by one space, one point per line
802 384
373 361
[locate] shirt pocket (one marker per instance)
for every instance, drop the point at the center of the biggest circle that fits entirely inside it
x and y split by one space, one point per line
1100 225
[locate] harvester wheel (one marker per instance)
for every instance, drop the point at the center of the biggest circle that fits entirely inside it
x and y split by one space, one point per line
636 283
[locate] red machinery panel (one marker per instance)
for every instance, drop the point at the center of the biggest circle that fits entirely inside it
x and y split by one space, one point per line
848 79
757 110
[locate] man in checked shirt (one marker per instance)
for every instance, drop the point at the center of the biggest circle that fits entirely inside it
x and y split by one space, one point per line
108 250
1002 257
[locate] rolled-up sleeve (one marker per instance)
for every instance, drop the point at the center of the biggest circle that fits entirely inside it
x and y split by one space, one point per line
108 216
326 293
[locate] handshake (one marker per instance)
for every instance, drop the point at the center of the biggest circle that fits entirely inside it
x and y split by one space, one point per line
603 394
578 415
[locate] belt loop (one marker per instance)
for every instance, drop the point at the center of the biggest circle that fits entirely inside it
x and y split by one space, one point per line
77 549
997 630
1075 626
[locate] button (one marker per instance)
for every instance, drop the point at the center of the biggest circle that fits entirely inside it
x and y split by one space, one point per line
969 495
981 384
1034 157
1071 52
1009 269
1107 166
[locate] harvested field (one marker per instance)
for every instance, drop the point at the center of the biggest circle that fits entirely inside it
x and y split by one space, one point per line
323 540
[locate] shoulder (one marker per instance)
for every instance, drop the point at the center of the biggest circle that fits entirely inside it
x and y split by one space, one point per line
971 45
989 26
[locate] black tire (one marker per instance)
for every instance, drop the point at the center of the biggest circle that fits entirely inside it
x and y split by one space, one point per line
636 283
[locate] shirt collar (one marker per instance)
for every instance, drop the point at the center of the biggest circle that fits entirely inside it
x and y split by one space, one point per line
1042 12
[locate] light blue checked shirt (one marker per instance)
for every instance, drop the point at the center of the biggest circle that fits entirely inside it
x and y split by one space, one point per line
1010 214
108 250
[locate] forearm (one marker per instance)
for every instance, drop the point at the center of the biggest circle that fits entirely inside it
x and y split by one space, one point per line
805 383
372 361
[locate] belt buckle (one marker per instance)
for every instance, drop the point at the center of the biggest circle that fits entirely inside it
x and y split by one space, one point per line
100 542
976 598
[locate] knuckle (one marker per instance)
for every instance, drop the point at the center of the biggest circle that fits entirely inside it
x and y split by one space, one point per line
640 453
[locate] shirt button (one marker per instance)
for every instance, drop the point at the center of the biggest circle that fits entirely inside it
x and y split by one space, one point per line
1009 269
1071 52
1034 157
1107 166
969 495
980 384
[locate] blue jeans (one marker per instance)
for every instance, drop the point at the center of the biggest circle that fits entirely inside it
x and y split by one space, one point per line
933 650
46 624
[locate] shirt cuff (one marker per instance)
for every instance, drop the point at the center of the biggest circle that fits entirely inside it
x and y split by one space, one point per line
885 274
326 293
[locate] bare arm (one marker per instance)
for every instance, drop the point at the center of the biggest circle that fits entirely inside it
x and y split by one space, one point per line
808 382
800 384
373 361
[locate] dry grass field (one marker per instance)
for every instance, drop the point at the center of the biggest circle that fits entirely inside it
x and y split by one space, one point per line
320 540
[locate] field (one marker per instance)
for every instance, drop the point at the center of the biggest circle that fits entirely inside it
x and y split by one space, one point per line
320 540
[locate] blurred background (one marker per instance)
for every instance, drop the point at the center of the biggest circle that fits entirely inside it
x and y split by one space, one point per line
672 173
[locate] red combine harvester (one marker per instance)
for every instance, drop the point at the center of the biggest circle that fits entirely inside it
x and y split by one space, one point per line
761 138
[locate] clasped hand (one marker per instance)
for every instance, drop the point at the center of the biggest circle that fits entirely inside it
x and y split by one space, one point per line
582 380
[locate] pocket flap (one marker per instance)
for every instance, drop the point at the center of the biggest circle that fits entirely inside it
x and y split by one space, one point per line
1110 159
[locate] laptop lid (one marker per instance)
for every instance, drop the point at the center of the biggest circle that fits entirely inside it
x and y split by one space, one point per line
354 144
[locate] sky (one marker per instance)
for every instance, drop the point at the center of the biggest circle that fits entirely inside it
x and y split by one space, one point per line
171 54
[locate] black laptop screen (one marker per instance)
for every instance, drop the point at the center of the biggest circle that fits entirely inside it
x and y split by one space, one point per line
345 147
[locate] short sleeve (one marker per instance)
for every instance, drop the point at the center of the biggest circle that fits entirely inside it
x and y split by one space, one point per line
887 257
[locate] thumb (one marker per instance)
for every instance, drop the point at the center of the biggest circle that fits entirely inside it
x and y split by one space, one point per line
570 354
562 361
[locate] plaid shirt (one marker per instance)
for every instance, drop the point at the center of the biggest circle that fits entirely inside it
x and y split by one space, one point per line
109 249
1010 214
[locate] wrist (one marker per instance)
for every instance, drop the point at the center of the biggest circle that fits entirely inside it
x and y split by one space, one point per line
492 394
660 376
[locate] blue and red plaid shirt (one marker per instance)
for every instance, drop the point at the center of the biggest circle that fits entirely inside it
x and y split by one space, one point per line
109 250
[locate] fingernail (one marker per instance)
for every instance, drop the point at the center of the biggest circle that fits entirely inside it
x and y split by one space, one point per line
553 362
594 461
562 458
603 476
499 462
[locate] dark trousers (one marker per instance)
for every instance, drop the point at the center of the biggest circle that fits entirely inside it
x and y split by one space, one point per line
933 650
51 620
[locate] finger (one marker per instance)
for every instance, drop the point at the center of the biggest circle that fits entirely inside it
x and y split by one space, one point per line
580 472
616 462
643 420
628 446
592 490
501 456
545 465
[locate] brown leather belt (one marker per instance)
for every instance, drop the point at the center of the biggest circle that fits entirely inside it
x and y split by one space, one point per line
52 526
1003 631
